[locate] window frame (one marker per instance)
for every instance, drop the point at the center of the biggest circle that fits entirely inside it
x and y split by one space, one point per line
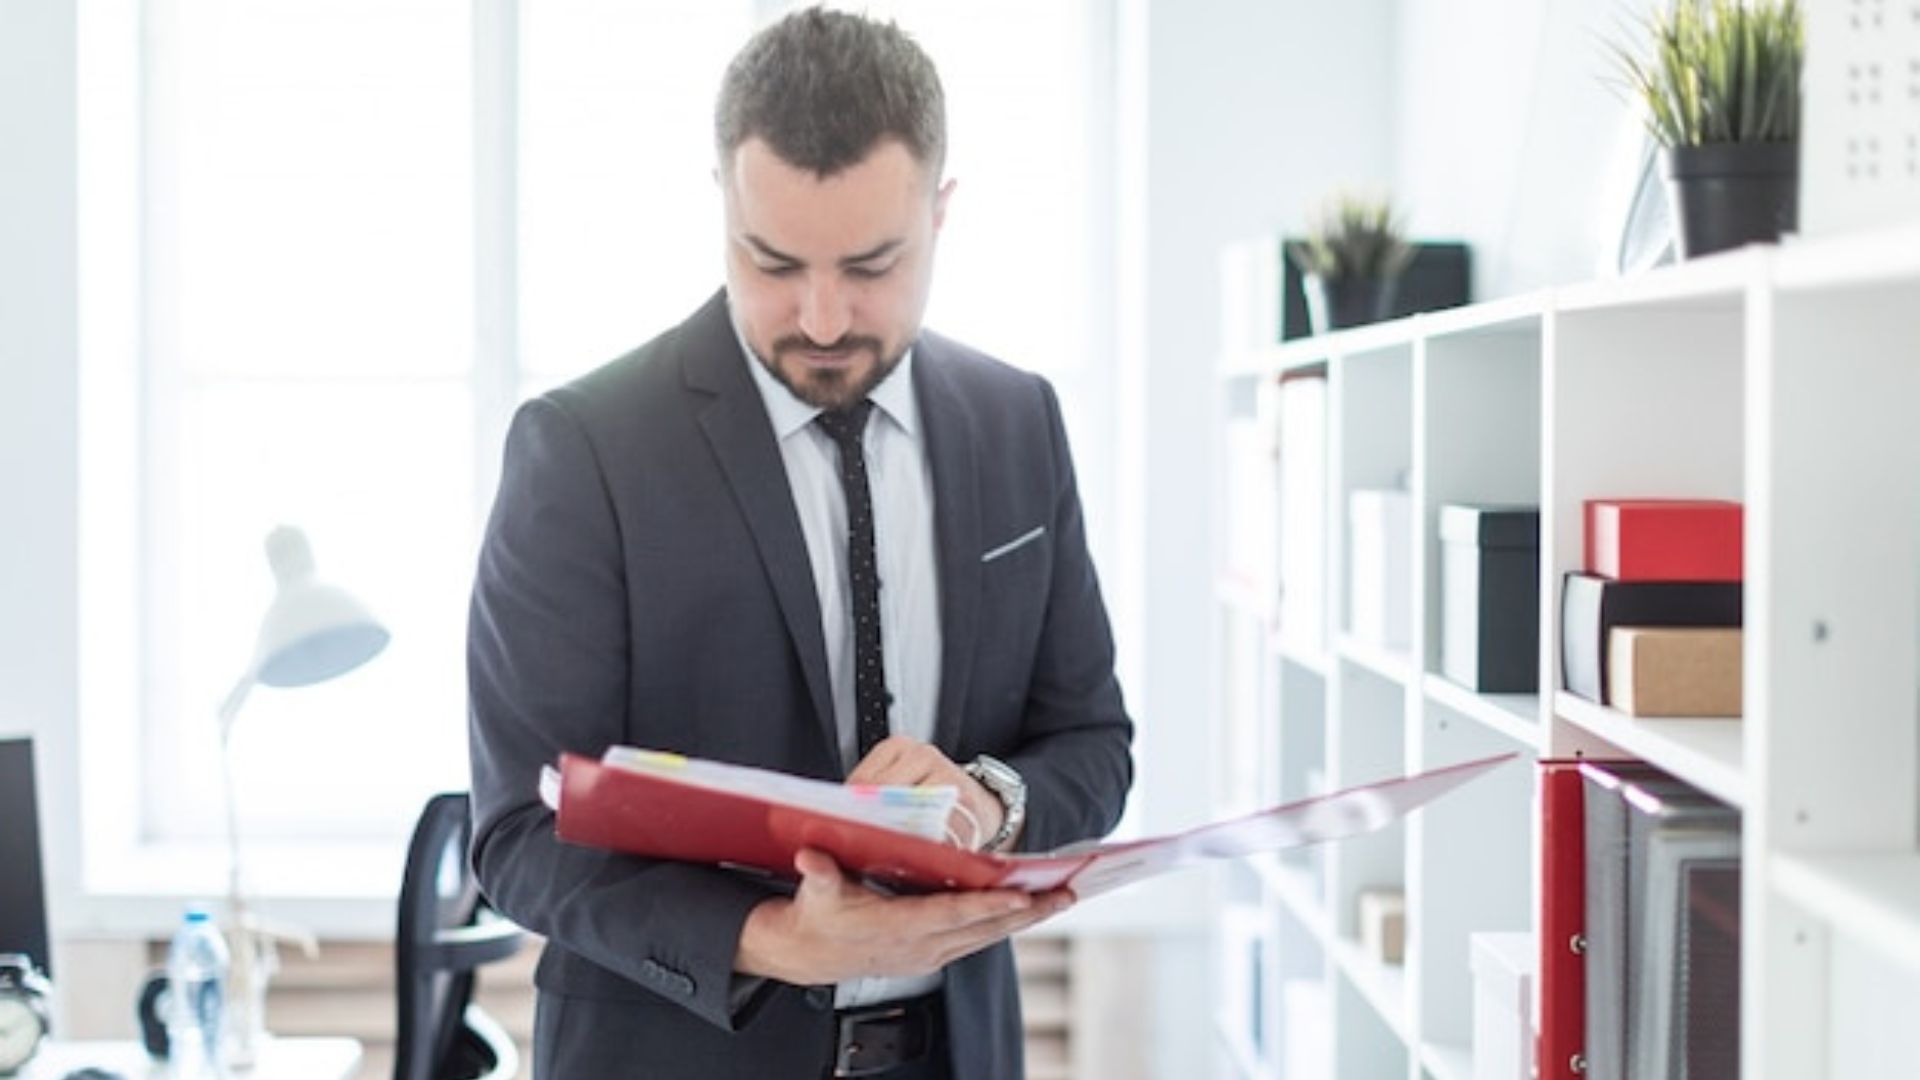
127 880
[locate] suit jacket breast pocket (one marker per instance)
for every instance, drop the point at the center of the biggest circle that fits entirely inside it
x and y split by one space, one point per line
1016 577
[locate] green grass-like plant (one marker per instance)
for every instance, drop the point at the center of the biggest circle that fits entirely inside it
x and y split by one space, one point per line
1353 237
1721 71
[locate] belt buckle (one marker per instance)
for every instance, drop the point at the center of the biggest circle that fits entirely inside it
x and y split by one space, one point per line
846 1061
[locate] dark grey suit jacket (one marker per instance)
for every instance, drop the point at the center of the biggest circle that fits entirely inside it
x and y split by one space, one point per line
644 581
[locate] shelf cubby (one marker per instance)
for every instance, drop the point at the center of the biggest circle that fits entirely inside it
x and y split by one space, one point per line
1469 868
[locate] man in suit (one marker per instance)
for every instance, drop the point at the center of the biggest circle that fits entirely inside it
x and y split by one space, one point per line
795 532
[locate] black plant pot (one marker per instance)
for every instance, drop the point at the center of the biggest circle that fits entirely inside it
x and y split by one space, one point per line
1728 194
1339 303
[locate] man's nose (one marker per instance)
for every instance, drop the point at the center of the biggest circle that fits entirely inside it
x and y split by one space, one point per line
824 312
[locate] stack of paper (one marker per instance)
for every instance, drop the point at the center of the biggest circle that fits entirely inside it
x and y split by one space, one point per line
921 811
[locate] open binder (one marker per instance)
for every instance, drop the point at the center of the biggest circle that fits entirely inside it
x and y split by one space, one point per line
665 807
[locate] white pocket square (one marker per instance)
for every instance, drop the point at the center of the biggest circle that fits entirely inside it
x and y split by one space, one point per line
1015 544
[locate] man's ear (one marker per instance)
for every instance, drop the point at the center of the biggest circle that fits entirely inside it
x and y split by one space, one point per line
940 198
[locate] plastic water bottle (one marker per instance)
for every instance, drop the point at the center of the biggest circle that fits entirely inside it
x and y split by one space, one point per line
197 986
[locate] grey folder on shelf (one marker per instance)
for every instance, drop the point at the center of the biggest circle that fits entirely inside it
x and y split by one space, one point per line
1686 1019
1658 855
1604 808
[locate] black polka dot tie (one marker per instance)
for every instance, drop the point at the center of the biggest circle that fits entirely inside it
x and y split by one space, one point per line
869 671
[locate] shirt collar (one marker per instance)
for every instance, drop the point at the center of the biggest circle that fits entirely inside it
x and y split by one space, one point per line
894 396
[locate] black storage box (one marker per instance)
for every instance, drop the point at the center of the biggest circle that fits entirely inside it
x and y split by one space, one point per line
1591 606
1490 597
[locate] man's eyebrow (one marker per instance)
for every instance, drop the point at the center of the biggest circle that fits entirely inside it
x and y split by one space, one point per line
767 249
878 251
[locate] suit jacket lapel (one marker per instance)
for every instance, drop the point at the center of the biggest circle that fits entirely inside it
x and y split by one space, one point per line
951 450
736 425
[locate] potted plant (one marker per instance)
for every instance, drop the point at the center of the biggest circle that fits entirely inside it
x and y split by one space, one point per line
1722 95
1351 261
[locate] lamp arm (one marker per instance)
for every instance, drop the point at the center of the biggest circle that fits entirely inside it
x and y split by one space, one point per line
230 705
233 823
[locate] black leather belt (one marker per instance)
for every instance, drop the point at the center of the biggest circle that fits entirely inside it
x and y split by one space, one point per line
880 1038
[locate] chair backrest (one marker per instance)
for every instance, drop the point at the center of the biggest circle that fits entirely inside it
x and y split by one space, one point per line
446 931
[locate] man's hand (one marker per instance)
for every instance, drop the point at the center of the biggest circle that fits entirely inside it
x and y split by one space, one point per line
835 929
901 760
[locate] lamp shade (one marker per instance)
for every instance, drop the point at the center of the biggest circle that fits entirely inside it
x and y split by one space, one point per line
313 631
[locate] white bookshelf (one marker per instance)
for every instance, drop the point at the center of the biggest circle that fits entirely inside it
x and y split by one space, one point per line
1708 752
1388 663
1785 378
1517 716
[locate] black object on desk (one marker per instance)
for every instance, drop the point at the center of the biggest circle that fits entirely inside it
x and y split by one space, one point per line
23 894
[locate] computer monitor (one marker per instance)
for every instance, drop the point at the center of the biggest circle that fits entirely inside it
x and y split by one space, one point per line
23 890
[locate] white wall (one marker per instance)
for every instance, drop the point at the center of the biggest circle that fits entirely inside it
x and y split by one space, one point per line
1251 110
39 683
1235 115
1508 137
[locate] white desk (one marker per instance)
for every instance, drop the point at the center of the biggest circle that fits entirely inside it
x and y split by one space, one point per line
280 1059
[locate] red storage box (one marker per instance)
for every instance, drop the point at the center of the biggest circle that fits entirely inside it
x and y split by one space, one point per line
1664 539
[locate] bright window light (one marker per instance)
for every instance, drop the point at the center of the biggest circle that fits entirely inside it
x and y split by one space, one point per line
307 233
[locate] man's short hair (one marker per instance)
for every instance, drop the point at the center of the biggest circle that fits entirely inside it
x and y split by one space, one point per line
824 87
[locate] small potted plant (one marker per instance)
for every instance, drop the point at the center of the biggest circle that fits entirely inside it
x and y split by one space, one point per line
1722 95
1351 261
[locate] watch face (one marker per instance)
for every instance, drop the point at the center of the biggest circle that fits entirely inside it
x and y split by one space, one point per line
20 1031
998 773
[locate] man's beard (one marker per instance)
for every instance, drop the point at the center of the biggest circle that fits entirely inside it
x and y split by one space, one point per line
831 388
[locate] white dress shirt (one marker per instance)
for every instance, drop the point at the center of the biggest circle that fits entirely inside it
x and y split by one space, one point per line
901 485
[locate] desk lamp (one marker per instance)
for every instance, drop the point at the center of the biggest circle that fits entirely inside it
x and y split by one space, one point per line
312 632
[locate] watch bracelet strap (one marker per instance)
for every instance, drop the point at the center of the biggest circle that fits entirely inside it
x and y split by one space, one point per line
998 841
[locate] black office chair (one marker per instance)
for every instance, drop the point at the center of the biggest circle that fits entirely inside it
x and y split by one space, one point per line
446 931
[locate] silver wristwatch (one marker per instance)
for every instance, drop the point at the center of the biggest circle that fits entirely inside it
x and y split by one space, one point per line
1000 778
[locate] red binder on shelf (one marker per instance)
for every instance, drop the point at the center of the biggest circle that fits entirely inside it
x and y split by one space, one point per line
655 813
1562 922
1664 539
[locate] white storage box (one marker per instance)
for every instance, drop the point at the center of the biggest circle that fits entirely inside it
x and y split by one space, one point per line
1503 966
1380 566
1308 1030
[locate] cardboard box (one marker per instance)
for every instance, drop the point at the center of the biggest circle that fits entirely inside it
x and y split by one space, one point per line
1383 924
1490 598
1674 671
1664 539
1380 566
1590 607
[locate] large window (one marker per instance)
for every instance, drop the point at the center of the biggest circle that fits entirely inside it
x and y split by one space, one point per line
362 231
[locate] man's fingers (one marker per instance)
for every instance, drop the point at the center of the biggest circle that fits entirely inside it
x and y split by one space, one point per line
966 940
901 760
819 875
875 766
961 913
